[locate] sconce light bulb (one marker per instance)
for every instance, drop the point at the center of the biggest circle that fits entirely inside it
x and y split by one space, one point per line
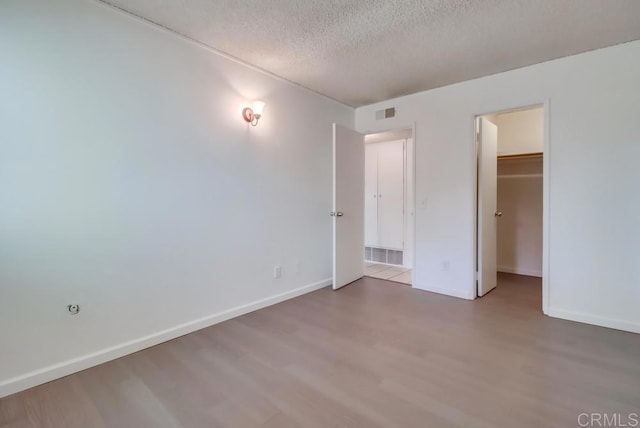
258 108
252 114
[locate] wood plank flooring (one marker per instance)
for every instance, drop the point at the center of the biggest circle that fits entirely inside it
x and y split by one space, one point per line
369 355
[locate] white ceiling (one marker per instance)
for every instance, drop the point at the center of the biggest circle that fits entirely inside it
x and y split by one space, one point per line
363 51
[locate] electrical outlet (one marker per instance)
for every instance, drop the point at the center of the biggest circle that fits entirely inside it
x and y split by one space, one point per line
277 272
73 309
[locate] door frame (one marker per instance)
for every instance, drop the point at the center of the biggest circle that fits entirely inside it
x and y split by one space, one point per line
546 160
411 126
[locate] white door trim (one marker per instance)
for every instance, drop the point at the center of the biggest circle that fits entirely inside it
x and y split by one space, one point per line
546 204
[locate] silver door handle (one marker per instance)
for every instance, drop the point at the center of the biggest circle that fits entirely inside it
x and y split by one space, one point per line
339 214
332 213
497 213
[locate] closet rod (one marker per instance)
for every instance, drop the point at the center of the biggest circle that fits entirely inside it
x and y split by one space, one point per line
521 156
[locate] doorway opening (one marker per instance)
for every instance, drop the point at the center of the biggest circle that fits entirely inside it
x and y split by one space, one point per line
511 185
388 205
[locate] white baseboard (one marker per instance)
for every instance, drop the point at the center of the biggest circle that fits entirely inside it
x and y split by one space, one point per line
520 271
468 295
46 374
594 320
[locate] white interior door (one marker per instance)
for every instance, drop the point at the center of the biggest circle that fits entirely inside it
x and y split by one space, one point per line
371 195
487 203
348 206
391 194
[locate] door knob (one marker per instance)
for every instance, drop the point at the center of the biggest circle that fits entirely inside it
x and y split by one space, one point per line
339 214
332 213
497 213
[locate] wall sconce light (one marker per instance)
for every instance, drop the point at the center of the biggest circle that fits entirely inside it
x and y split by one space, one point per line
252 114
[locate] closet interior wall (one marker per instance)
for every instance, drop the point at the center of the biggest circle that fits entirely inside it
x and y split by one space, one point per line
520 226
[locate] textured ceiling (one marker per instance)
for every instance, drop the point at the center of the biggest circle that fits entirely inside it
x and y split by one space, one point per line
363 51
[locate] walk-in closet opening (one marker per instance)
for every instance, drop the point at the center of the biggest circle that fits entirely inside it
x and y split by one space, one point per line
510 196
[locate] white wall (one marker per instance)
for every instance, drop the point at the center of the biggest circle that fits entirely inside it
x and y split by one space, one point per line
520 131
594 101
130 184
520 226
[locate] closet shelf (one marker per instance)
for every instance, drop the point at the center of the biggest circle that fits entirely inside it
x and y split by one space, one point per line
520 176
521 156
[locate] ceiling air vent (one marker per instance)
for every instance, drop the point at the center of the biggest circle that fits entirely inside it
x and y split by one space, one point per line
386 113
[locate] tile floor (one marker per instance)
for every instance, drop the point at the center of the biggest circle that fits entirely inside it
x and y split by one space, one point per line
391 273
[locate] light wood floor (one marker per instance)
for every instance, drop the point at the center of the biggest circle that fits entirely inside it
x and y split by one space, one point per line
370 355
